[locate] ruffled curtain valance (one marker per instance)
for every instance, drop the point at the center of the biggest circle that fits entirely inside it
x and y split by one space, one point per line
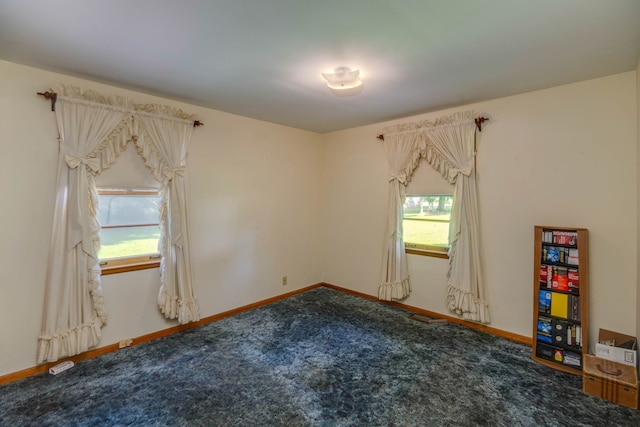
93 130
447 144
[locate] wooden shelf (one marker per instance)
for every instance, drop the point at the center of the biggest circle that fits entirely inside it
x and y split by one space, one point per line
546 352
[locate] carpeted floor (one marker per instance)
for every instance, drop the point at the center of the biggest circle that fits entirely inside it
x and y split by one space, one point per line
320 358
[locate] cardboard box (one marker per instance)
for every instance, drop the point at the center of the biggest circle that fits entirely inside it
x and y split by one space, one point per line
617 347
610 380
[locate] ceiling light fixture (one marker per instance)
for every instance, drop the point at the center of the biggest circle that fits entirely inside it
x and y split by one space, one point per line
343 81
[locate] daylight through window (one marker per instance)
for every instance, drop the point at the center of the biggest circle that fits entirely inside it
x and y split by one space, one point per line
129 224
426 221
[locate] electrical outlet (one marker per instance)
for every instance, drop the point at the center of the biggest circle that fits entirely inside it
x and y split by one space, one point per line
284 280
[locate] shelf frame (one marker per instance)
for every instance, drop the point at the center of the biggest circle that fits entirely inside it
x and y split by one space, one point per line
583 268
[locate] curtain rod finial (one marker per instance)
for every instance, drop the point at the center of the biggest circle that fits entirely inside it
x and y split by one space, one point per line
479 121
52 96
380 137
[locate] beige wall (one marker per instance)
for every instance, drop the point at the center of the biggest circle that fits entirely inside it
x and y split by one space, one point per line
564 156
255 215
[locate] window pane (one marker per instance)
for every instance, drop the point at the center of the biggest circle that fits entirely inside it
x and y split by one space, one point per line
426 219
127 209
128 241
130 223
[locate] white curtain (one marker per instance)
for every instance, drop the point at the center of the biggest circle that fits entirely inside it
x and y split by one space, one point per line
90 137
395 283
93 130
447 144
164 143
466 291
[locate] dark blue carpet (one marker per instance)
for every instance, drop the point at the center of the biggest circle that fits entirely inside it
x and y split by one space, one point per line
320 358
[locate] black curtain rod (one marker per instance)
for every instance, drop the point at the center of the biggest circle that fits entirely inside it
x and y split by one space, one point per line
54 97
479 121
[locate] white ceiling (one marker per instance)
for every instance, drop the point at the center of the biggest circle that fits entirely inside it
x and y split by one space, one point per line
264 58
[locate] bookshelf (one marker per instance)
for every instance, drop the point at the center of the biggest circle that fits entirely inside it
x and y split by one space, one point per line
560 303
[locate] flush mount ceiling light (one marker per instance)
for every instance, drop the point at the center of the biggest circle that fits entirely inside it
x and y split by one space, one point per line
343 81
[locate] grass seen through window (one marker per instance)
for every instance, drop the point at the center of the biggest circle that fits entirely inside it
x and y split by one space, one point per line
426 221
129 241
432 229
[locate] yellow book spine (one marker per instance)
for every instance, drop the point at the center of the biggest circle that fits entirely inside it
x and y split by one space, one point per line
559 305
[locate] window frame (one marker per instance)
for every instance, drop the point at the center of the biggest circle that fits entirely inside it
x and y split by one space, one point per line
134 262
423 249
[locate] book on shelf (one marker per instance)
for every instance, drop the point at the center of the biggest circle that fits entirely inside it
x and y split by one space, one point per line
544 301
544 338
560 281
560 237
564 237
558 355
551 254
559 305
572 359
545 325
545 351
546 274
556 254
573 282
574 307
572 256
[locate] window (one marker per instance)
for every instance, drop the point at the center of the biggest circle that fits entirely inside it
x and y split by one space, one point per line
129 229
426 223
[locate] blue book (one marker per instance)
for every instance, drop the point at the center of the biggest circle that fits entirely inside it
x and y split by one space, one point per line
553 254
544 338
544 301
544 326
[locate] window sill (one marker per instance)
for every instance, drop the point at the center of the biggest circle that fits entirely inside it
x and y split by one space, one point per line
129 267
122 265
426 252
